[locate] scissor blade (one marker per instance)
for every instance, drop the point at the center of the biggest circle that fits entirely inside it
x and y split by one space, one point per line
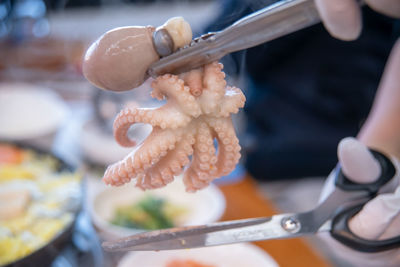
203 236
275 227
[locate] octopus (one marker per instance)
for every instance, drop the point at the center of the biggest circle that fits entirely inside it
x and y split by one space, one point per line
192 133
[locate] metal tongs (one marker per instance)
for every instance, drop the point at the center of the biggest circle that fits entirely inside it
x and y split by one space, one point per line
271 22
332 215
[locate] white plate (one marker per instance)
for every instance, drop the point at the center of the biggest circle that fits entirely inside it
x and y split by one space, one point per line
28 111
237 255
204 206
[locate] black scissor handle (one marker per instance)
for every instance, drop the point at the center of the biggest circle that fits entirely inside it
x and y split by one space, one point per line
340 224
341 232
387 172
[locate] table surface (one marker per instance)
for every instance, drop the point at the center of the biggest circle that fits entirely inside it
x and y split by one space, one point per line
244 201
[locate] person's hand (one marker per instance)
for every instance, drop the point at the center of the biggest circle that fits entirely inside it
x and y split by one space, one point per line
342 18
380 218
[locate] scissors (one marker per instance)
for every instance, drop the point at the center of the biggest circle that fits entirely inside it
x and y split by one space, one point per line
332 215
274 21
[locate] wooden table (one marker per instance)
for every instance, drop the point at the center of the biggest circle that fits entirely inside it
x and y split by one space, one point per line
244 201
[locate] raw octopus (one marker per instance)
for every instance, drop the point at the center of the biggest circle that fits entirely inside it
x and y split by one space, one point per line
197 113
192 133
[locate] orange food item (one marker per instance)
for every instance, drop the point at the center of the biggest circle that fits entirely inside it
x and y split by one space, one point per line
187 263
10 154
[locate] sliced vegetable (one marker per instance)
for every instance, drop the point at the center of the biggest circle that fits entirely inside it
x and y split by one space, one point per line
150 213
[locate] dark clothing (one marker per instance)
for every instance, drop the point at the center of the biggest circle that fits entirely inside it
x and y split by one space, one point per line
305 92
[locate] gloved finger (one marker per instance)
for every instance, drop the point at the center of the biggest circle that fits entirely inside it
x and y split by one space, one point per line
382 128
376 216
393 230
387 7
357 162
342 18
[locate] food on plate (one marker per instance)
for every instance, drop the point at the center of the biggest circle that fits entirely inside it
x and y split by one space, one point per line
149 213
233 255
187 263
193 130
10 154
13 203
37 201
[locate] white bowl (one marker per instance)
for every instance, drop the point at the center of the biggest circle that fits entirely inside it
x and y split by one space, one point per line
29 112
204 206
237 255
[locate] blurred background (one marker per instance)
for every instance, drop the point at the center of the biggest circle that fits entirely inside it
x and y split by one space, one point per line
305 92
47 104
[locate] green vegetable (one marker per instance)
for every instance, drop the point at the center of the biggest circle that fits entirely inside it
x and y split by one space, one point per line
150 213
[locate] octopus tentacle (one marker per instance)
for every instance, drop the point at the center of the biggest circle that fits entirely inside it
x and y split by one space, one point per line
192 182
194 79
140 181
155 147
171 164
228 145
204 159
202 169
163 117
214 88
187 181
157 144
232 101
177 93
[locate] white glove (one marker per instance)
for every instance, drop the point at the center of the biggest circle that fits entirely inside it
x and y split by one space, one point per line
380 218
342 18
